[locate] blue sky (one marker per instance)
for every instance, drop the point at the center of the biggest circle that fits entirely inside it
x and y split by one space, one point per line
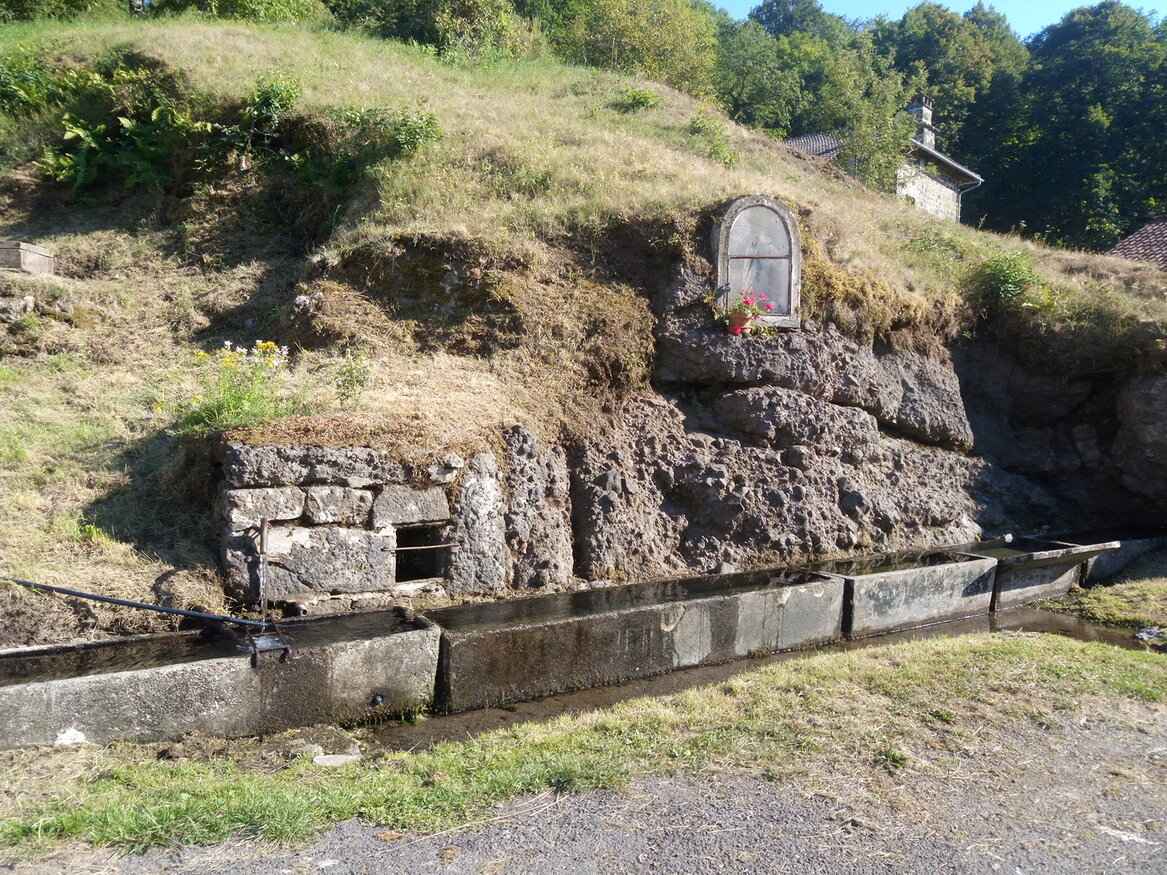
1026 16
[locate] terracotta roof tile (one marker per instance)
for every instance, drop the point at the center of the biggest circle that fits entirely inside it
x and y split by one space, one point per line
1149 243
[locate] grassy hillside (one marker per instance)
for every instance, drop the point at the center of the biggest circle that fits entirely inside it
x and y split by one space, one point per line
499 274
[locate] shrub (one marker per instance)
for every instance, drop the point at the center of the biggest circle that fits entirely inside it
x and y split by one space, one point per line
479 30
713 137
251 10
635 99
239 388
1001 281
28 85
127 124
27 10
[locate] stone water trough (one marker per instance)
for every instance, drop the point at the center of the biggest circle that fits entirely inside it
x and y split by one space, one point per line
512 651
351 668
156 687
1029 569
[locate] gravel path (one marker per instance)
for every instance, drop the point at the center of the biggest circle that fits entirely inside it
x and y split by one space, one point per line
1083 796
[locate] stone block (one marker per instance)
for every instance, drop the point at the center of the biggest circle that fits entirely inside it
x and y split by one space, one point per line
247 508
512 651
26 257
339 505
1018 585
893 592
336 674
359 467
314 561
482 562
403 506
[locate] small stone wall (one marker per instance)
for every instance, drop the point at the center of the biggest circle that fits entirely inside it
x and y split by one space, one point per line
336 519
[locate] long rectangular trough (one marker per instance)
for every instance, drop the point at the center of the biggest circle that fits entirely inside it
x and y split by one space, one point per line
512 651
1029 569
160 687
899 591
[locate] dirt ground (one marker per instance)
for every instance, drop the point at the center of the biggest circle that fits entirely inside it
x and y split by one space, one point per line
1087 794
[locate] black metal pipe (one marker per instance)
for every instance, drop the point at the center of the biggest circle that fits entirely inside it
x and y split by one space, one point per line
127 603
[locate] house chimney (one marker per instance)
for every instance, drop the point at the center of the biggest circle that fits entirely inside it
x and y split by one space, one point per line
922 110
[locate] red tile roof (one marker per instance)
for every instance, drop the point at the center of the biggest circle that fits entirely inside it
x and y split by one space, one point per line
1149 243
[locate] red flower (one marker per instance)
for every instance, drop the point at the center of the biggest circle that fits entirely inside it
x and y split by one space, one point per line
769 306
749 302
736 329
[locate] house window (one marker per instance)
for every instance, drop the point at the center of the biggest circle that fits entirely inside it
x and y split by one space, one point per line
758 252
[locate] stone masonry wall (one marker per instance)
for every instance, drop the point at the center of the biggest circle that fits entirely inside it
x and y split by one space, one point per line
929 194
334 516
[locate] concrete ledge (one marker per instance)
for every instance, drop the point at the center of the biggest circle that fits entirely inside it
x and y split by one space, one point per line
333 681
945 586
513 651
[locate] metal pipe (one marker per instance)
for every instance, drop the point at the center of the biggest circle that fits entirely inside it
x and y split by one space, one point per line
127 603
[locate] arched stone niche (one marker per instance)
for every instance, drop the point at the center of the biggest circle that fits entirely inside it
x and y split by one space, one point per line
758 249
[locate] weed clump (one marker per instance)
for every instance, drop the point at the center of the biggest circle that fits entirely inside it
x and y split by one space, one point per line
632 100
239 388
712 138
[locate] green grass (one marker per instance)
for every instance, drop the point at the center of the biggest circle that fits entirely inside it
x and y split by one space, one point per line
854 713
1136 600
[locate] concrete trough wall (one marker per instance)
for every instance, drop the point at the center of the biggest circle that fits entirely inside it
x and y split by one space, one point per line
508 652
1111 564
1029 570
333 682
960 585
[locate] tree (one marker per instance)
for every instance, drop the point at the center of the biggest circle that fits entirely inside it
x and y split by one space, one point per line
754 81
785 17
1093 164
672 41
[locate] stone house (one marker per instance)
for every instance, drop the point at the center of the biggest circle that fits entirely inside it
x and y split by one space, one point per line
1149 244
928 178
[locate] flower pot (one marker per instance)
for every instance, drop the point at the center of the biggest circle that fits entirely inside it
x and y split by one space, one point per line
739 322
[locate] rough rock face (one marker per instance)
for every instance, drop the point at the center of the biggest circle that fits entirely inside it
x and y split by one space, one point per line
750 451
246 465
1141 444
538 517
907 393
653 498
481 564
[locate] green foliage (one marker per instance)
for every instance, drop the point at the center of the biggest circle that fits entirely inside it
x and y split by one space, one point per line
28 10
250 10
128 124
352 377
631 100
755 80
28 85
713 138
671 41
480 30
238 388
1003 279
876 133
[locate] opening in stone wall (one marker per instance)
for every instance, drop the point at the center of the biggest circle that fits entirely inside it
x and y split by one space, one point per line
422 553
